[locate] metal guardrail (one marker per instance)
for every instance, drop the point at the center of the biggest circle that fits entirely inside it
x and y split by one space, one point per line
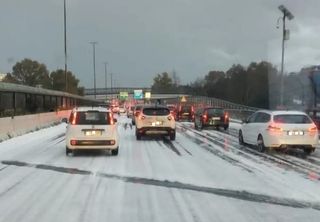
236 111
21 100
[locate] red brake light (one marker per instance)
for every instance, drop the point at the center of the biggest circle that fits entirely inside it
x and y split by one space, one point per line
205 116
111 119
313 129
74 118
274 128
73 142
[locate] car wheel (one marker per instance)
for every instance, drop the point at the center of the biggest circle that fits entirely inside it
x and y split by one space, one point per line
241 141
200 125
260 145
115 152
308 151
173 136
138 135
68 151
133 123
226 127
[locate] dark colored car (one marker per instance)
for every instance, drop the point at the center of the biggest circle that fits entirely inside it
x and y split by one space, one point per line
211 117
315 116
185 112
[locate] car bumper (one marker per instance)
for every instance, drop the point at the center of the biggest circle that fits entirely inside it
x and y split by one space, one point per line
91 144
156 130
284 141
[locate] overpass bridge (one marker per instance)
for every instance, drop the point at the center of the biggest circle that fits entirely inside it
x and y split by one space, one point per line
115 90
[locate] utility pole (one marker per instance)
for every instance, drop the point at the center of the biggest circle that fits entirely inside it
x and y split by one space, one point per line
65 46
106 76
285 36
94 68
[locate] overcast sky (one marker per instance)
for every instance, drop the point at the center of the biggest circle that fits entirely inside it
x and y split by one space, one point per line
140 38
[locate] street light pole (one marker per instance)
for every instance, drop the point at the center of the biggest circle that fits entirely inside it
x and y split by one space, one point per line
65 45
94 67
286 14
111 74
106 75
282 57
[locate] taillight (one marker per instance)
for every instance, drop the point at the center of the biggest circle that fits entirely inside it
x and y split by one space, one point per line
74 118
73 142
112 142
274 128
205 117
111 119
313 129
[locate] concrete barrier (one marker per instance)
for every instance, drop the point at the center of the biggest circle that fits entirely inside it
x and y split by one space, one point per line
18 125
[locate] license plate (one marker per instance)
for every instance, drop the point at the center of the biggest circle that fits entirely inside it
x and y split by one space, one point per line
157 123
215 118
295 133
92 132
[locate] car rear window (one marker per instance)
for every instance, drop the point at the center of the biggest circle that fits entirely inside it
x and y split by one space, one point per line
292 119
91 118
215 112
186 109
138 108
156 111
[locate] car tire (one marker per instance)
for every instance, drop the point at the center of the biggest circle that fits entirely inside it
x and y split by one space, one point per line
260 145
201 125
308 151
68 151
225 127
138 135
241 141
133 123
172 136
115 152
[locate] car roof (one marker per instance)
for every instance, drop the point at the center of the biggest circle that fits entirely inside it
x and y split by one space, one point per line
283 112
91 108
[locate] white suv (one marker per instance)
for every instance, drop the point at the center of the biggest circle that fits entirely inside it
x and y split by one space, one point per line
279 130
155 120
92 128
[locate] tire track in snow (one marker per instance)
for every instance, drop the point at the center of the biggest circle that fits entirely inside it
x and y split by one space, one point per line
235 194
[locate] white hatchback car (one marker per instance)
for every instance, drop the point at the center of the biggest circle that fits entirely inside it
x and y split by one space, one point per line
92 128
155 120
279 130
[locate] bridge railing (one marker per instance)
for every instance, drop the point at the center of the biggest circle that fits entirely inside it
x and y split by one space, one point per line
236 111
22 100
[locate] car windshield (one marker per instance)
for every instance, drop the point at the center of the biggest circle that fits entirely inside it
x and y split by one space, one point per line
159 110
292 119
92 118
156 111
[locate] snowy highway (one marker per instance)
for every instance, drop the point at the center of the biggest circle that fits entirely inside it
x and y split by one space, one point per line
201 176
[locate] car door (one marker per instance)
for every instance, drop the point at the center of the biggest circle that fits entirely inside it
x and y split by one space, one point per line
248 129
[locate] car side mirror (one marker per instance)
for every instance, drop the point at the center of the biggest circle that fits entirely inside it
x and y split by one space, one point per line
64 120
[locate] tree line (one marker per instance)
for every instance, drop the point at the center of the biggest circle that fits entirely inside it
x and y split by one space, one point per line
33 73
257 85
